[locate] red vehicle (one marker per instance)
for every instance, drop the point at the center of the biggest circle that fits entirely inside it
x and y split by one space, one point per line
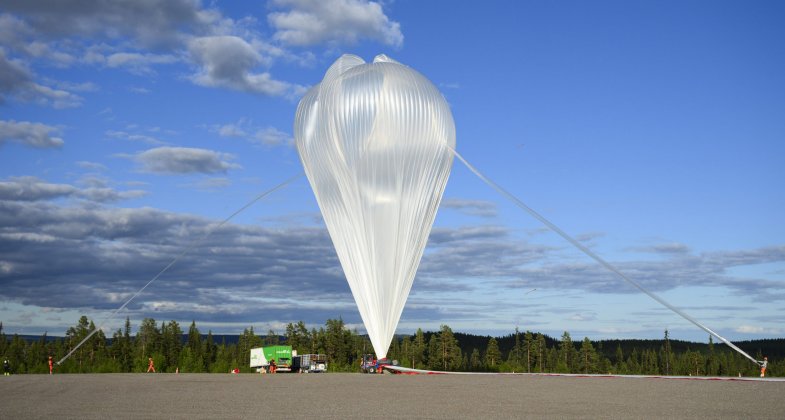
371 365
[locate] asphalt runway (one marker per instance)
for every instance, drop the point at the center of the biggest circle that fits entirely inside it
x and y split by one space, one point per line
334 395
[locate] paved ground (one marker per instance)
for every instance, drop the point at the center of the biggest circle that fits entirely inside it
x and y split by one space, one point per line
382 396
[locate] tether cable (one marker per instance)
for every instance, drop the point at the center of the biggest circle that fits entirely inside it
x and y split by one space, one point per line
177 258
594 256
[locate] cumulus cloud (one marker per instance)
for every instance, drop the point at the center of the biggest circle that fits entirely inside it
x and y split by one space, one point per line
212 184
105 195
150 23
231 130
31 134
231 62
471 207
492 252
272 136
267 136
124 135
93 251
17 81
97 254
589 236
313 22
29 188
12 74
585 316
477 251
94 166
666 248
753 329
138 36
138 63
33 189
184 160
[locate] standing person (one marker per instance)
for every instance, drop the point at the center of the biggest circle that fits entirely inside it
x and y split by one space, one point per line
763 365
272 366
150 365
6 367
51 365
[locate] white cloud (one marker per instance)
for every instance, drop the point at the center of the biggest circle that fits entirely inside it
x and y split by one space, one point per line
108 194
16 80
75 87
50 53
212 184
139 35
138 63
665 248
266 136
231 130
91 165
184 160
272 136
45 95
30 188
313 22
30 134
149 23
580 317
752 329
139 90
471 207
230 62
124 135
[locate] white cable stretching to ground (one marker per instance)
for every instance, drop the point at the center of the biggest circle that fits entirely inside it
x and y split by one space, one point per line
594 256
177 258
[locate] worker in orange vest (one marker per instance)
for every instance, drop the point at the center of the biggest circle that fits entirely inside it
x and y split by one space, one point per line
763 365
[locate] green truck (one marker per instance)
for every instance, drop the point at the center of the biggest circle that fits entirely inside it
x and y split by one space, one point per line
282 355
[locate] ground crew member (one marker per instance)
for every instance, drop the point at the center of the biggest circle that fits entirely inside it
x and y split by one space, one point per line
6 367
51 365
272 366
763 365
150 365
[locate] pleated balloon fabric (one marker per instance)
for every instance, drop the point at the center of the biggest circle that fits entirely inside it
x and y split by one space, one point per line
376 142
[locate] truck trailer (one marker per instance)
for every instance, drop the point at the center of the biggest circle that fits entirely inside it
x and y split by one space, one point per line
281 355
309 363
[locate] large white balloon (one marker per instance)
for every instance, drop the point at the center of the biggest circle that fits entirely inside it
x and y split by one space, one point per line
376 142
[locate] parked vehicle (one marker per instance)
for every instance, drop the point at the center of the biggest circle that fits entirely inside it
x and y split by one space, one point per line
282 355
371 365
309 363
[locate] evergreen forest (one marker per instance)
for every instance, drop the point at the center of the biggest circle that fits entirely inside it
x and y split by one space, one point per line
173 349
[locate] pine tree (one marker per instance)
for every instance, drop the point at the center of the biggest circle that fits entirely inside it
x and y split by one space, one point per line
514 357
195 361
475 362
588 357
566 354
443 350
527 343
711 359
492 354
418 350
210 352
148 343
542 349
666 354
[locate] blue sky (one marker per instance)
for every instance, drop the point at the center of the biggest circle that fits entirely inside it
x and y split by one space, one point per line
654 132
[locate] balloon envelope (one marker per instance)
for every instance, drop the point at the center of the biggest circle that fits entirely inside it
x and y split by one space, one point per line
376 142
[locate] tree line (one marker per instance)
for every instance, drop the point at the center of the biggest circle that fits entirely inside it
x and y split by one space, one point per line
173 350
